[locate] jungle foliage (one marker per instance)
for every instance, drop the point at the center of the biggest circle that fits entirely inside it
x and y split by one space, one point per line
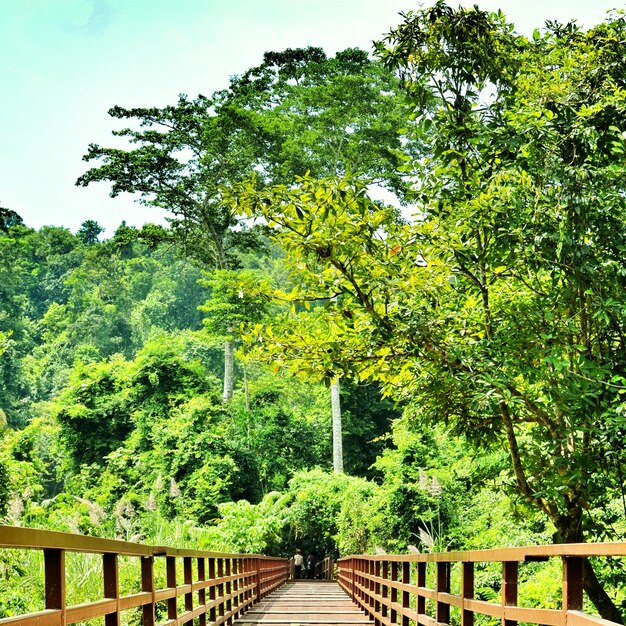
498 309
479 343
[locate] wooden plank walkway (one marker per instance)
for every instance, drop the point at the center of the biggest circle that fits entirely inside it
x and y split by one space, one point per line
305 602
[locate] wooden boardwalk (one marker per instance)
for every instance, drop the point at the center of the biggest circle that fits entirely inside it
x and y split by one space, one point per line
305 602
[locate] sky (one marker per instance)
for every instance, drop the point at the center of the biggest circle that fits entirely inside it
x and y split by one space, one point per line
64 63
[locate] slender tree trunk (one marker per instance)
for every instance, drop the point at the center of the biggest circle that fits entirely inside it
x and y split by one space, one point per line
594 589
337 442
229 371
247 396
569 528
568 525
245 388
337 430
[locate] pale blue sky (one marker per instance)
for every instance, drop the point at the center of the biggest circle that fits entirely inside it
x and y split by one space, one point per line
64 63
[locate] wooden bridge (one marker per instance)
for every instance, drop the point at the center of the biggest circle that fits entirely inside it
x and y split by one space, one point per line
305 602
173 587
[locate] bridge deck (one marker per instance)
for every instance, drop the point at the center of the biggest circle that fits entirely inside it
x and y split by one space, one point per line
305 602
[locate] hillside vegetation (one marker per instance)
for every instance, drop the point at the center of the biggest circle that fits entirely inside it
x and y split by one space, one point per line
170 384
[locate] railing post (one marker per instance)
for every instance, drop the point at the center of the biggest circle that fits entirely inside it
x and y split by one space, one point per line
394 592
170 575
259 589
467 593
370 587
509 588
246 581
54 572
236 599
362 581
110 570
220 587
251 580
212 591
406 579
257 578
188 580
376 591
386 596
147 586
443 586
572 585
421 582
353 578
229 587
201 562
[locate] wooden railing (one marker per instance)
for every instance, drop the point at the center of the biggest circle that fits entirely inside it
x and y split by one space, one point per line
215 588
325 569
392 589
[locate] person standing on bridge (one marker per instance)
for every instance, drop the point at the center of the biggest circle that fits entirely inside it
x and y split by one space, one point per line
297 563
310 566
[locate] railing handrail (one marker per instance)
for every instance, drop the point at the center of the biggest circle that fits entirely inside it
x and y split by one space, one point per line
392 588
325 569
219 589
522 553
39 539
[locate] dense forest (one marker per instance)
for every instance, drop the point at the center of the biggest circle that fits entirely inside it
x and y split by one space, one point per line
290 361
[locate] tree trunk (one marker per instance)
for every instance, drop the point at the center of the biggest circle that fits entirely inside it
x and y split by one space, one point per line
594 589
569 528
337 443
229 371
247 396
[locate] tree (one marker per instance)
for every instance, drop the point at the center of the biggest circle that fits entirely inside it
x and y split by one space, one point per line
4 489
321 505
534 173
324 115
327 117
152 433
89 232
298 111
94 412
185 152
283 430
92 301
367 419
9 218
236 298
33 265
335 402
499 311
12 318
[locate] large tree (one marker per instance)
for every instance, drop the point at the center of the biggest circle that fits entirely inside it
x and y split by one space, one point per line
327 117
234 301
500 310
298 111
184 153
